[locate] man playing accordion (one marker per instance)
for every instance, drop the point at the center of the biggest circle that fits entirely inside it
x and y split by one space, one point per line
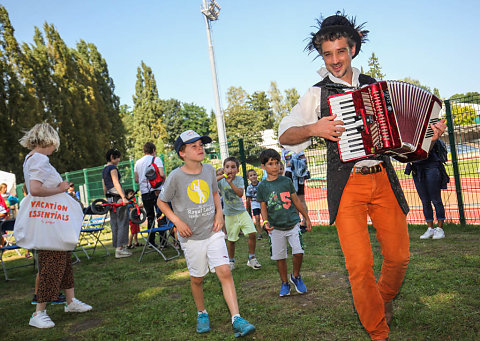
355 189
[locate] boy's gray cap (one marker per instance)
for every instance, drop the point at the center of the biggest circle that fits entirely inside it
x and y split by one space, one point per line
190 136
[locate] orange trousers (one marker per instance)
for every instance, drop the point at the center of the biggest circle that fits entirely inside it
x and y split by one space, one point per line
372 195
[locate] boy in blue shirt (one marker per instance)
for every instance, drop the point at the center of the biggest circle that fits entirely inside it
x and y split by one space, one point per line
280 218
197 214
236 216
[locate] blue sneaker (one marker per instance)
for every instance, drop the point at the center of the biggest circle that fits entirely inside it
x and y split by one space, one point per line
285 289
298 284
60 299
203 323
242 327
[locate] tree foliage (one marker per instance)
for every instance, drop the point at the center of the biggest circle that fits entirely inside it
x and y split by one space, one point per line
70 88
426 87
469 97
246 118
148 118
375 70
184 116
281 104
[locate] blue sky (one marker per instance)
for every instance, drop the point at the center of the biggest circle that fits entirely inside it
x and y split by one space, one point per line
257 42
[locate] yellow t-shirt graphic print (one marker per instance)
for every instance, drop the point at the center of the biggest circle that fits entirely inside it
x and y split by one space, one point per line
198 191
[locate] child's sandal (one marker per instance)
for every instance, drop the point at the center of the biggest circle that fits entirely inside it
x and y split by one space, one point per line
130 246
138 244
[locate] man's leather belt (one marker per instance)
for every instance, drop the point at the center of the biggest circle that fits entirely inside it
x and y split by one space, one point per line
368 170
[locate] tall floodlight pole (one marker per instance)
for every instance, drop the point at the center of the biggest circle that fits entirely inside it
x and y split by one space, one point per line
210 10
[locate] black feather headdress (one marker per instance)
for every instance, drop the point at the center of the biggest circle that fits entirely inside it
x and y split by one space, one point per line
332 28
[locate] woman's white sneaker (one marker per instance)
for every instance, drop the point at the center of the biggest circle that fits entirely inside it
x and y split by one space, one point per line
77 306
40 319
438 233
428 234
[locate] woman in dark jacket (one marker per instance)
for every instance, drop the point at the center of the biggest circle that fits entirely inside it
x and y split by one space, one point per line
430 177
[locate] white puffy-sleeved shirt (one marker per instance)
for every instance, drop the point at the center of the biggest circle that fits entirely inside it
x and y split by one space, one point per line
37 167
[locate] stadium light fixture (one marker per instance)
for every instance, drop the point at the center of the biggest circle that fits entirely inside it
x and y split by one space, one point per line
211 10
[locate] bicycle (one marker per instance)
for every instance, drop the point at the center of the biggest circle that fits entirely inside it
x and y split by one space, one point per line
102 206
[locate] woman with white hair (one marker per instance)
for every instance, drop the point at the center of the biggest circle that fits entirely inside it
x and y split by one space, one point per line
55 267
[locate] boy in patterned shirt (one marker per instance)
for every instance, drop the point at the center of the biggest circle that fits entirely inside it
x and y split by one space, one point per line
280 218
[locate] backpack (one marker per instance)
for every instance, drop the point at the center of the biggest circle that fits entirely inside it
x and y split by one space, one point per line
299 167
152 173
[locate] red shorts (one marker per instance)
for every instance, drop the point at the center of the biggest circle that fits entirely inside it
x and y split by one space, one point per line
134 228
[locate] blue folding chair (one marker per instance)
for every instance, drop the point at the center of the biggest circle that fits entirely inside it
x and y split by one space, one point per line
6 228
167 241
90 233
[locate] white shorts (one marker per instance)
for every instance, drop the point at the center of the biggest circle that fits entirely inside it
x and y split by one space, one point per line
203 254
235 223
278 242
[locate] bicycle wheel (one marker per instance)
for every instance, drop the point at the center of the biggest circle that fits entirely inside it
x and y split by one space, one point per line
98 206
137 217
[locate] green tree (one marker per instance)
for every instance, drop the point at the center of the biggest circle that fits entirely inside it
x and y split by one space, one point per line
469 97
126 115
291 99
147 112
184 116
213 129
276 101
281 104
171 112
17 105
66 87
241 122
105 101
416 82
259 105
375 70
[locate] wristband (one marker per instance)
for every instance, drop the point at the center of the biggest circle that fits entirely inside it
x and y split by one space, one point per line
264 222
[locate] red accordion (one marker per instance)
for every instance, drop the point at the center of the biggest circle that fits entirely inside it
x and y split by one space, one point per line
388 117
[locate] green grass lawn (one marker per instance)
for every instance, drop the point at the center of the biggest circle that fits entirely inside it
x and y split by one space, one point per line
439 300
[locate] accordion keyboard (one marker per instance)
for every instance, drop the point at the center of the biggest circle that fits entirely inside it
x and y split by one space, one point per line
351 143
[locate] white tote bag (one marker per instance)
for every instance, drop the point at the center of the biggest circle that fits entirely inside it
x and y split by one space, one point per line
48 223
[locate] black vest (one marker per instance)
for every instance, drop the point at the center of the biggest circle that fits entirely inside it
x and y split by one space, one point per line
338 172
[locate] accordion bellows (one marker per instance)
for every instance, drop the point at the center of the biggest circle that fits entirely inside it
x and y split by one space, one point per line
387 117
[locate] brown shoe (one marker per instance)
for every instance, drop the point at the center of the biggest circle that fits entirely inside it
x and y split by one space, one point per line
389 312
